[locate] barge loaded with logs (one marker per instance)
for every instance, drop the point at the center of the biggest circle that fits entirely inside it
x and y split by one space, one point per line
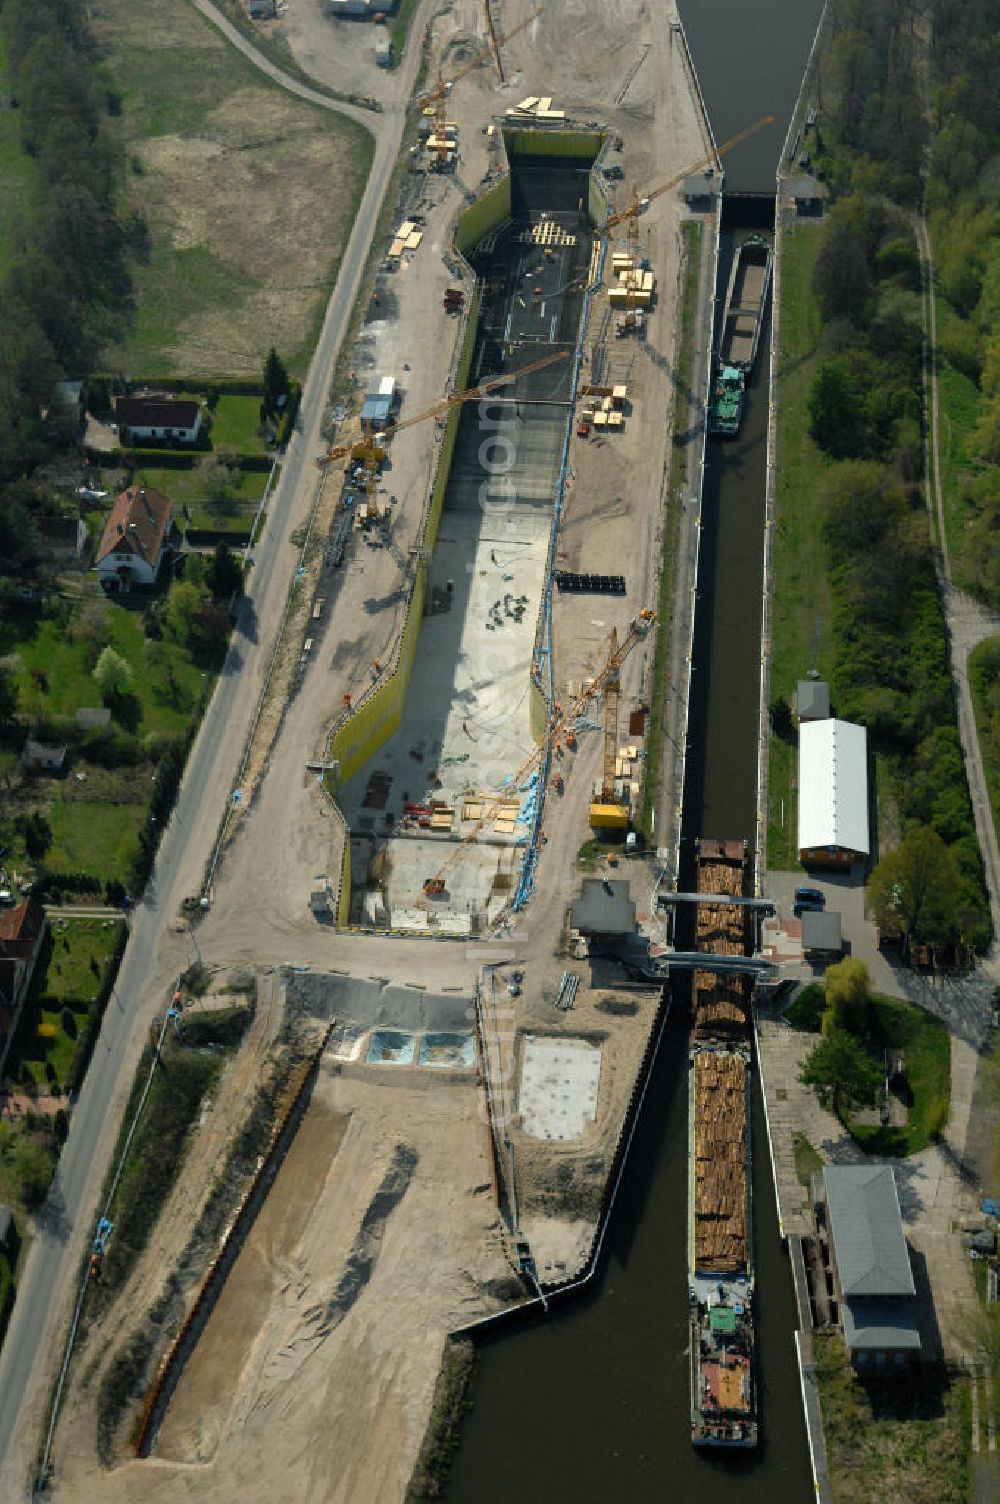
720 1252
742 321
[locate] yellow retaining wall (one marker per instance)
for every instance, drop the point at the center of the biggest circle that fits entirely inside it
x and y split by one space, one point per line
452 421
538 710
528 143
597 204
378 717
483 216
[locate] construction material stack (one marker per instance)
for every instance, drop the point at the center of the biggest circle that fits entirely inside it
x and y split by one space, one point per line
720 1264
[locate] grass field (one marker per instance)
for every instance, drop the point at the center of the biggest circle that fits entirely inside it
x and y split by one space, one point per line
801 594
98 839
186 488
400 28
958 408
249 196
15 167
905 1438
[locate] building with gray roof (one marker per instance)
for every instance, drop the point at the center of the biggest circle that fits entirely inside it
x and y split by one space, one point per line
873 1281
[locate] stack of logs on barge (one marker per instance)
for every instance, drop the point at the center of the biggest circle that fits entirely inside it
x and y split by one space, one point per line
720 1273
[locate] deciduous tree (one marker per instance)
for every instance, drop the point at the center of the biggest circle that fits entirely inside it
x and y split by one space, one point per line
844 1075
916 887
113 675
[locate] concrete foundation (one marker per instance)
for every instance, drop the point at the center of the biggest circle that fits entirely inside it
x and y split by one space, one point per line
427 800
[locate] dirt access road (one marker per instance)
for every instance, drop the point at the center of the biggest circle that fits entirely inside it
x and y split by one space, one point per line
155 953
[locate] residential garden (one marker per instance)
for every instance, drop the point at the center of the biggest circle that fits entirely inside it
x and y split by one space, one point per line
72 981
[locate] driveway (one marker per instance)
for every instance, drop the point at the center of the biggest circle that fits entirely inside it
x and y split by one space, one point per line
964 1003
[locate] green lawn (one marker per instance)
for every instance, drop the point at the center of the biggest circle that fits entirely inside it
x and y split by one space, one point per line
70 974
98 839
81 952
802 609
926 1047
45 643
16 168
235 421
905 1438
186 488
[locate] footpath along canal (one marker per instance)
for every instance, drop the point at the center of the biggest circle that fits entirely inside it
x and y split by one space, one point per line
592 1403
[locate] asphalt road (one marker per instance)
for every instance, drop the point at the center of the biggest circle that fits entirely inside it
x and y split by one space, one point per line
155 953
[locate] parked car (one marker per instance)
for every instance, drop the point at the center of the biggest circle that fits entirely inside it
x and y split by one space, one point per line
812 896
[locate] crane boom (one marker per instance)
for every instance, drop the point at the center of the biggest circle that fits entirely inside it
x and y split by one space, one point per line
494 44
445 404
638 204
445 85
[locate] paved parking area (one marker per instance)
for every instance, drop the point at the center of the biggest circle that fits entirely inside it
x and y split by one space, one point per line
964 1003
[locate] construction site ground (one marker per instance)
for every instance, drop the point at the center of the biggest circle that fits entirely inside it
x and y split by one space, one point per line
347 1423
307 1382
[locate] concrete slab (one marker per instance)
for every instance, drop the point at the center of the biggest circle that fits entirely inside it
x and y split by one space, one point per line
559 1082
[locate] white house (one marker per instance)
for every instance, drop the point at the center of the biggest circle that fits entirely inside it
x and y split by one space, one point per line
138 532
171 418
833 793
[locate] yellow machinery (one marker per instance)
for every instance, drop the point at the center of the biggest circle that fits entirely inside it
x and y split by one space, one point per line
638 205
437 97
560 726
609 811
370 449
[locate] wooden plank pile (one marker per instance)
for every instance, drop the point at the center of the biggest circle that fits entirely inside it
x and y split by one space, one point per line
720 1169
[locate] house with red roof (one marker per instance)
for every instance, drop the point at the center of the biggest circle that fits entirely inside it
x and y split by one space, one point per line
138 534
22 933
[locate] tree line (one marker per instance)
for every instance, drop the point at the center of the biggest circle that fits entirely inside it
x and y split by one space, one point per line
865 411
964 218
66 289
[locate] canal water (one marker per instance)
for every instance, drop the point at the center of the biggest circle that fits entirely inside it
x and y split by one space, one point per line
591 1404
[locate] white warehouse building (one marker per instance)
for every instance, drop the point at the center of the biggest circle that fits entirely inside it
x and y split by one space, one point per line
833 793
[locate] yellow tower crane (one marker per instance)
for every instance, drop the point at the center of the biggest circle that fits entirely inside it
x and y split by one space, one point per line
436 98
609 811
638 205
370 449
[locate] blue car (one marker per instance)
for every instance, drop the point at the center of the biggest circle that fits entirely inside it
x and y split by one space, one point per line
810 898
